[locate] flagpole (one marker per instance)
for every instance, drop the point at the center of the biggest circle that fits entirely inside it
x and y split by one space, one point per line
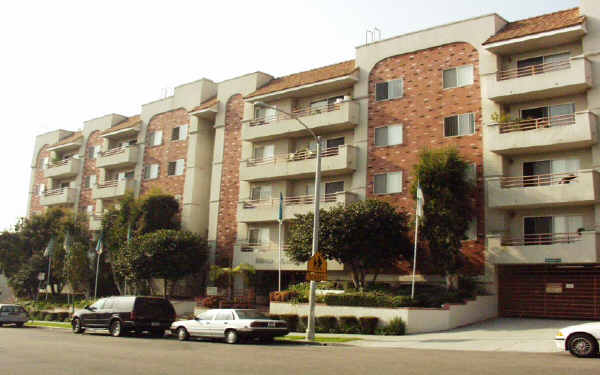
49 262
412 293
279 260
96 284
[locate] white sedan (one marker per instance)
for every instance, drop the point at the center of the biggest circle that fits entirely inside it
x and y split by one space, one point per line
581 340
231 325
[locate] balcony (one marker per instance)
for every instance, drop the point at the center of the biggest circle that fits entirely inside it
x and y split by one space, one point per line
334 161
576 188
543 134
63 168
569 77
329 118
266 258
252 211
118 157
113 189
544 248
64 196
95 222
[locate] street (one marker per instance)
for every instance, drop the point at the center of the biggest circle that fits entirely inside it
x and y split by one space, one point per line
56 351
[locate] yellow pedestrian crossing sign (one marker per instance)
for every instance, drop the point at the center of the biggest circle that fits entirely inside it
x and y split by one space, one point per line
317 268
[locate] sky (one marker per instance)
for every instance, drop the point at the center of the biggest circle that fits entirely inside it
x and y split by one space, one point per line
65 62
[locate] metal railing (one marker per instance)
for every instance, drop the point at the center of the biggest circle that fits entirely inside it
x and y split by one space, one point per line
116 150
52 192
298 112
537 123
263 253
59 163
539 180
109 183
294 156
289 201
541 239
533 70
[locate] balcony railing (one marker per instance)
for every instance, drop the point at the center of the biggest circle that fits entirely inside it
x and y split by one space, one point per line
114 151
539 180
294 156
109 183
533 70
542 239
289 201
298 112
54 192
537 123
59 163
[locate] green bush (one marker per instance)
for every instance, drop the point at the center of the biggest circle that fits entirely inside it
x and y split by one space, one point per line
368 324
61 316
67 319
395 327
358 299
291 320
349 324
50 317
404 301
326 324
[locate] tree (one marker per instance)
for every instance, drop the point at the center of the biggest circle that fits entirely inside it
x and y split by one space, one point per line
448 208
223 276
164 254
368 236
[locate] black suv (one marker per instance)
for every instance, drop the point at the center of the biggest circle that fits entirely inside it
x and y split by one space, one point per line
123 314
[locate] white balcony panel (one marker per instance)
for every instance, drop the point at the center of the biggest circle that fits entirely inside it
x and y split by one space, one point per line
113 189
118 157
267 259
565 189
65 196
63 168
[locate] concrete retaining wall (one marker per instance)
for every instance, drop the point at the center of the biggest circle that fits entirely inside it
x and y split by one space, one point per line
417 319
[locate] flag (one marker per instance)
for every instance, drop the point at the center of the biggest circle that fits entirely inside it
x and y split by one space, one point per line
49 248
100 245
67 244
420 201
280 207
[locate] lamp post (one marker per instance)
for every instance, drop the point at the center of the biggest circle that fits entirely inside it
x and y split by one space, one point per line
310 330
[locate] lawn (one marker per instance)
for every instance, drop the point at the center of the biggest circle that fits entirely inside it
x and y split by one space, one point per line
320 339
35 323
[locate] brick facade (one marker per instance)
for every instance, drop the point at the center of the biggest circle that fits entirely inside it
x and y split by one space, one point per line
230 183
166 152
421 110
89 169
35 206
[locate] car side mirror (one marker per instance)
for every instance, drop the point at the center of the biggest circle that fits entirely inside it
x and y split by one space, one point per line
91 308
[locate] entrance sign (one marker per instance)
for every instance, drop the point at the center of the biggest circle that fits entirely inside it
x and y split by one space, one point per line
211 291
554 288
317 268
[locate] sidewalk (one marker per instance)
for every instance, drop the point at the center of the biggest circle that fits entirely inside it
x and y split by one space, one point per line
502 334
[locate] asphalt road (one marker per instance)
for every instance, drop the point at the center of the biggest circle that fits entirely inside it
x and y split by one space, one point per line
29 351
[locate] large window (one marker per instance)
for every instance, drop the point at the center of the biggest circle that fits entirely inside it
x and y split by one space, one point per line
264 152
463 124
176 168
258 193
179 133
258 236
388 183
459 76
540 64
151 171
389 90
155 138
388 135
546 230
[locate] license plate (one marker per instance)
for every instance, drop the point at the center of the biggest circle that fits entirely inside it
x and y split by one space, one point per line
271 324
155 324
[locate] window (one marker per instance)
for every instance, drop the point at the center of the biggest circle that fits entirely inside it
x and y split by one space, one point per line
45 162
125 175
334 142
539 64
268 114
388 183
459 125
151 171
206 315
128 143
260 193
99 305
64 185
42 189
179 133
89 181
389 90
263 152
176 167
560 114
258 236
533 169
155 138
388 135
331 190
458 77
542 230
224 315
471 172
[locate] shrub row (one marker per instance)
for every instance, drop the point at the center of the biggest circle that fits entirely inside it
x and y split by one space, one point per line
285 296
50 317
344 324
380 300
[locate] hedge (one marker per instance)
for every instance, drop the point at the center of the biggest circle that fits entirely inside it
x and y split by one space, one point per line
368 324
358 299
349 324
326 324
291 320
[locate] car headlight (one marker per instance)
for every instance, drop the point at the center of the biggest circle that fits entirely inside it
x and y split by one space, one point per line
559 334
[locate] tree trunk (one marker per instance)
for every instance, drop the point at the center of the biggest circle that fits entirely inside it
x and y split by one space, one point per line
354 277
375 276
115 277
165 281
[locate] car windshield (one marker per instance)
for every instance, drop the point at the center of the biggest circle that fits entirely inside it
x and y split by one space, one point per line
250 314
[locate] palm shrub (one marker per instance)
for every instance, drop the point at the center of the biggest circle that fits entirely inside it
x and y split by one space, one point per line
349 324
368 324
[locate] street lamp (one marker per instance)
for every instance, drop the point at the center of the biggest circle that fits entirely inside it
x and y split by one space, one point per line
310 330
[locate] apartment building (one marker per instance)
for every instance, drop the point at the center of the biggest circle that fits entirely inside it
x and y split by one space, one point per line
517 99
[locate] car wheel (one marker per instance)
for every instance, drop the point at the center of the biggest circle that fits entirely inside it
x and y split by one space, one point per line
231 336
583 345
182 334
116 328
76 324
19 325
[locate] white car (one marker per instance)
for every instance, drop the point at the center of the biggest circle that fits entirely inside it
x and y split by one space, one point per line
581 340
13 314
231 325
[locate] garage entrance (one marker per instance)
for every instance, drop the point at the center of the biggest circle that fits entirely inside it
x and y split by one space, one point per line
549 291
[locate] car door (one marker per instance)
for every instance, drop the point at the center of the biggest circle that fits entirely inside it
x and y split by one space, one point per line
223 320
104 314
201 326
89 317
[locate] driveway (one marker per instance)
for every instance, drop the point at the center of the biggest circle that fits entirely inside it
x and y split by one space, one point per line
502 334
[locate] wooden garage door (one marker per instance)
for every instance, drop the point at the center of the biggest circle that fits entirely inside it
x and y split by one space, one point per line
546 291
